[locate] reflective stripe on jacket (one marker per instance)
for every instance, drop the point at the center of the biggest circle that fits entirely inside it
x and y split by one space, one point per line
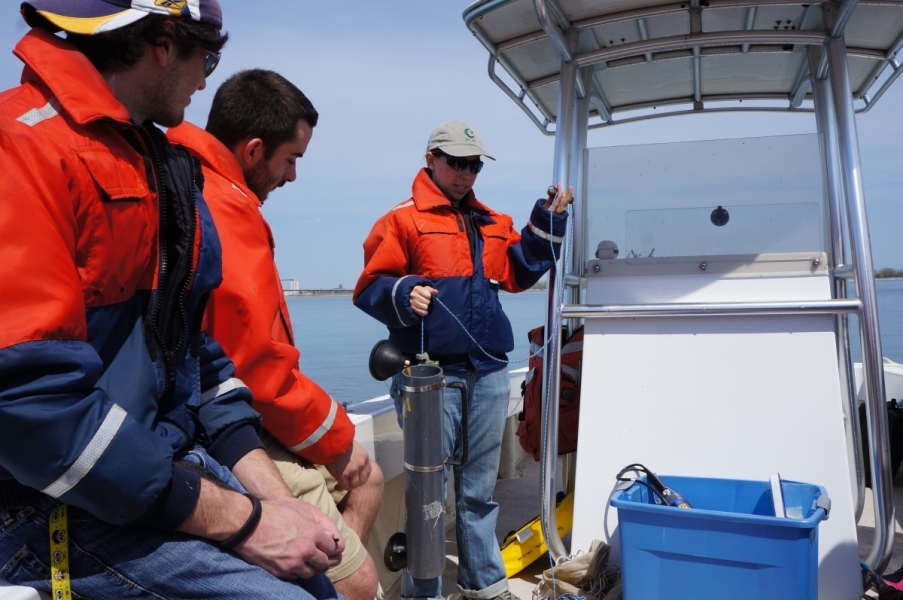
467 255
100 365
247 314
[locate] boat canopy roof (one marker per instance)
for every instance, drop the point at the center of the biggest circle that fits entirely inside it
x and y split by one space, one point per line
639 59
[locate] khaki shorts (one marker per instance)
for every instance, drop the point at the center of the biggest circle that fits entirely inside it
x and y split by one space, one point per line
315 485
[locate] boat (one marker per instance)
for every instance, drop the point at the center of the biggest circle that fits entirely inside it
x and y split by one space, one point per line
717 336
717 343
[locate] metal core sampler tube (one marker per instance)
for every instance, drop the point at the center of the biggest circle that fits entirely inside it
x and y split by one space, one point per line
424 469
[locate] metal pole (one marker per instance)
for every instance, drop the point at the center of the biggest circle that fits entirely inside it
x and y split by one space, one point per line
841 17
564 139
563 42
578 170
557 38
713 309
863 268
748 23
575 268
824 117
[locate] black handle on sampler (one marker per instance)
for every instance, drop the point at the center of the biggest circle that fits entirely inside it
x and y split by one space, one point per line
395 556
464 402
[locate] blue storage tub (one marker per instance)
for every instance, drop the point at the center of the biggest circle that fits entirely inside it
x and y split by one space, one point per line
729 545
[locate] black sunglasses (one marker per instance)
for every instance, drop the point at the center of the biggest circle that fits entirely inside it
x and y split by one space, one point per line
459 164
210 62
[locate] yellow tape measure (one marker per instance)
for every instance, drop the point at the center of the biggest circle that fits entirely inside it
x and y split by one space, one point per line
59 553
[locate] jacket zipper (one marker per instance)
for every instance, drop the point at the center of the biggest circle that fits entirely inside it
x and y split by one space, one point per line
465 224
168 352
162 247
185 284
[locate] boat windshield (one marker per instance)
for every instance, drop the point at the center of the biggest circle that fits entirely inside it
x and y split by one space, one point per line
662 200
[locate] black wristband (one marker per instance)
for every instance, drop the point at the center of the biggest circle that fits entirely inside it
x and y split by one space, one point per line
246 529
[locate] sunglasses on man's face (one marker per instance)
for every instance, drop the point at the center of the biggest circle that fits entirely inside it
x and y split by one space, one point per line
459 164
210 62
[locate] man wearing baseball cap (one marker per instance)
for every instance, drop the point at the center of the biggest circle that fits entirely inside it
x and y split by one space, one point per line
130 462
443 246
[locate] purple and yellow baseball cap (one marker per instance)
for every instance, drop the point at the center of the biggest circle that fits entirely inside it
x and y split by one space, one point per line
88 17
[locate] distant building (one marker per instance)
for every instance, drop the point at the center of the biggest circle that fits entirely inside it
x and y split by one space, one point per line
291 287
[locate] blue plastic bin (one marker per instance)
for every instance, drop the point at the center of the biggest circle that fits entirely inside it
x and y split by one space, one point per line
729 545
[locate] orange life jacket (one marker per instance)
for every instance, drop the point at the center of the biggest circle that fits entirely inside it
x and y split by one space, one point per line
530 427
248 315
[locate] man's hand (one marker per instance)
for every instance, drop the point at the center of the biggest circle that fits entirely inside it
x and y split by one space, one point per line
293 540
560 202
351 469
421 296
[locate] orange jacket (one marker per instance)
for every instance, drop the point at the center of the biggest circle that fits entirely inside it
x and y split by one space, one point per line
105 376
468 253
247 314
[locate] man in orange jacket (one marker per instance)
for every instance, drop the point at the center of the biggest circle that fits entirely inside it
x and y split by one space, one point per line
259 125
123 431
443 246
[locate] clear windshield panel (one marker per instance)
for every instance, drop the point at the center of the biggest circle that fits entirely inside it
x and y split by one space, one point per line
737 196
747 230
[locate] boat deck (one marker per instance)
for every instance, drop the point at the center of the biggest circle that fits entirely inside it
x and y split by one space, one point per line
519 502
866 528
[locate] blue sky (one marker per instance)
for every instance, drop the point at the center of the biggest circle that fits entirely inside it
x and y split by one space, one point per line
383 74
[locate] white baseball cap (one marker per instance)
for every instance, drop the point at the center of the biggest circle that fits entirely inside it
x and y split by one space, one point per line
457 139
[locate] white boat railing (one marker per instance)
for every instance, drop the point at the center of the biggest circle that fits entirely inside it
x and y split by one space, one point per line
689 309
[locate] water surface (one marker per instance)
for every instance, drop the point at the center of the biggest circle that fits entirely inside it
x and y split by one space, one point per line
335 338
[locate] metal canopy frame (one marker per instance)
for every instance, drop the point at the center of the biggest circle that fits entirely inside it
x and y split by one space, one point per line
697 43
830 56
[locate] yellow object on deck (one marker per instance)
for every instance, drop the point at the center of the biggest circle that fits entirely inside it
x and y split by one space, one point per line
524 546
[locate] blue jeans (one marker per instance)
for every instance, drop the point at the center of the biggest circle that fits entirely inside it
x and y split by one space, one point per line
481 572
131 561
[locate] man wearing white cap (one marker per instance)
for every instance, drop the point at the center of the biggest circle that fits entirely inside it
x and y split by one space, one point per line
443 246
130 462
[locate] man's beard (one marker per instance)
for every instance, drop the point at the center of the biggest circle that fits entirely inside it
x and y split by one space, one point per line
168 118
164 110
258 180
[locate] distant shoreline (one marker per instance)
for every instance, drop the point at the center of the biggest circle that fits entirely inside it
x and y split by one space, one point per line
312 293
348 292
344 292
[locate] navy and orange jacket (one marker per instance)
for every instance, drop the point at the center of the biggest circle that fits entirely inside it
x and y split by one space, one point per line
468 254
247 314
105 377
